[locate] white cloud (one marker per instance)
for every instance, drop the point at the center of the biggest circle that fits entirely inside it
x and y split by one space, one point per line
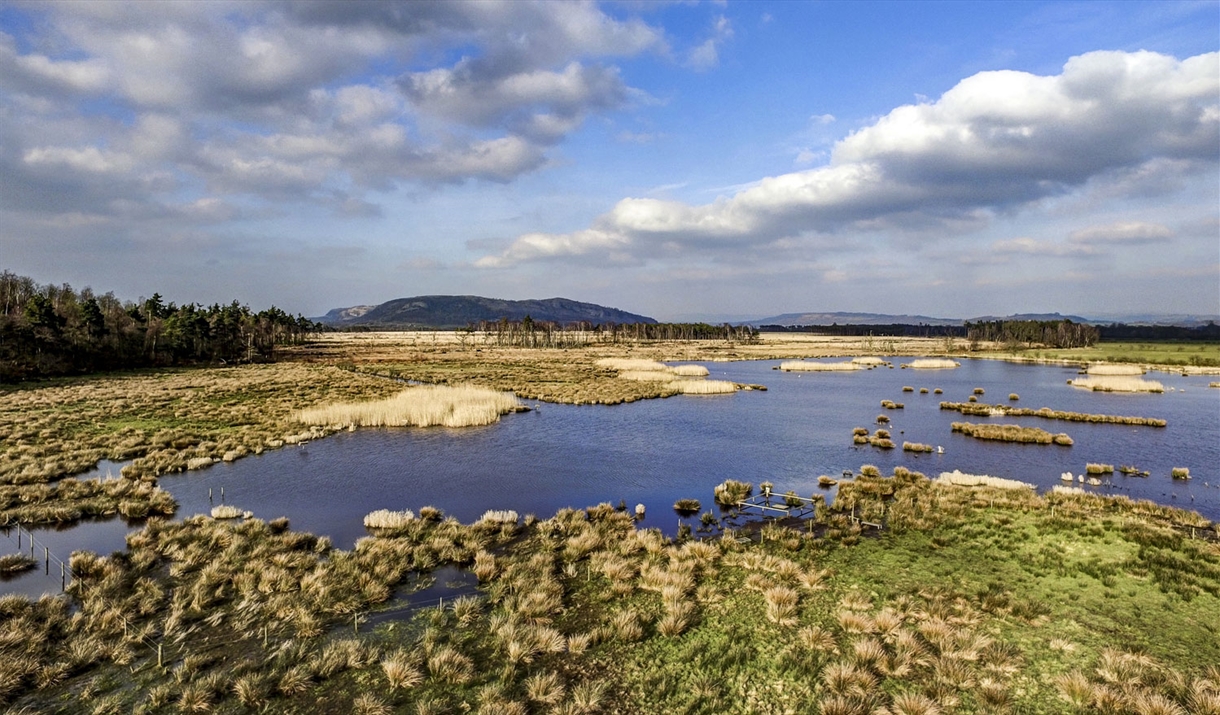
1122 232
996 141
706 54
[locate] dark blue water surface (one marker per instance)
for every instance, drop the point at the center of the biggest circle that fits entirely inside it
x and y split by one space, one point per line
656 451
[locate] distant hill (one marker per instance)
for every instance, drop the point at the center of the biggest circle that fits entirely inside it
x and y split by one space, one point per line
458 311
886 319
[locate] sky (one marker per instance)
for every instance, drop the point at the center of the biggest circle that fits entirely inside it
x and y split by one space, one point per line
683 160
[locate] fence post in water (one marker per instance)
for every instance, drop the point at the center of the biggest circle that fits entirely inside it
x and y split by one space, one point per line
18 536
46 560
63 577
356 623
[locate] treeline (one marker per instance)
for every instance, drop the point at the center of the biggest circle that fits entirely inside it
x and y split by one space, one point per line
903 330
54 330
1046 333
1122 331
546 334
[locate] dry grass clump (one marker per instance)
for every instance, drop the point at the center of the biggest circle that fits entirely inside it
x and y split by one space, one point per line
979 391
1106 383
891 405
1013 397
916 447
1180 473
1010 433
689 371
386 519
731 491
932 364
687 507
960 479
825 481
493 516
810 366
869 361
422 406
1213 384
228 511
16 563
908 388
702 387
1094 468
1110 369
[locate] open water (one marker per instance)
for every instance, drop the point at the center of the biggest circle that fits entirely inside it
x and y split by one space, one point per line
654 452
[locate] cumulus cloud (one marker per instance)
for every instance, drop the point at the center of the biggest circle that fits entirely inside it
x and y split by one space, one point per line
293 102
996 141
706 54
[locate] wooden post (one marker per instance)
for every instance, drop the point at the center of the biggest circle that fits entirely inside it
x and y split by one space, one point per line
46 560
63 577
18 536
209 494
160 660
356 623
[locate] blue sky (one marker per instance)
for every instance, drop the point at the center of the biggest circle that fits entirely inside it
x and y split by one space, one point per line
672 159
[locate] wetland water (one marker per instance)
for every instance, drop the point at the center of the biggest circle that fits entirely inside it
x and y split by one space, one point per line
657 451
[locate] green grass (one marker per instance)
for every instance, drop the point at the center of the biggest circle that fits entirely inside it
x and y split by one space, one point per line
1200 354
1000 592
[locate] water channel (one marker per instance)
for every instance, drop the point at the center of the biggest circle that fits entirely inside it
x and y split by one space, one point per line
653 452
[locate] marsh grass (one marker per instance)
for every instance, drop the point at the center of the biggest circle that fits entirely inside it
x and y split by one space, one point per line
810 366
1106 383
647 375
689 370
869 361
702 387
16 563
1095 468
1180 473
422 406
957 478
985 410
387 519
916 447
1010 433
1111 369
932 364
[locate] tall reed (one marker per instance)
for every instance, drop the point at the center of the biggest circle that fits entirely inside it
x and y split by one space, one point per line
422 406
1106 383
809 366
702 387
933 364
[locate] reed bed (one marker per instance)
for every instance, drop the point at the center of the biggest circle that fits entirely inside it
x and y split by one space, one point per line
689 371
984 410
422 406
1094 468
869 361
1111 369
960 479
632 364
932 364
916 447
810 366
702 387
1117 383
387 519
1010 433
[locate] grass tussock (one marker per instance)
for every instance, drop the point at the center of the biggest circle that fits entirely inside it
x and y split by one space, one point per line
1095 468
228 511
1111 369
1013 397
916 447
1011 433
1180 473
869 361
703 387
387 519
422 406
933 364
1106 383
731 491
811 366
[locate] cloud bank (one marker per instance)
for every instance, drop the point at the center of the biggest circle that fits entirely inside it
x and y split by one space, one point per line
996 142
